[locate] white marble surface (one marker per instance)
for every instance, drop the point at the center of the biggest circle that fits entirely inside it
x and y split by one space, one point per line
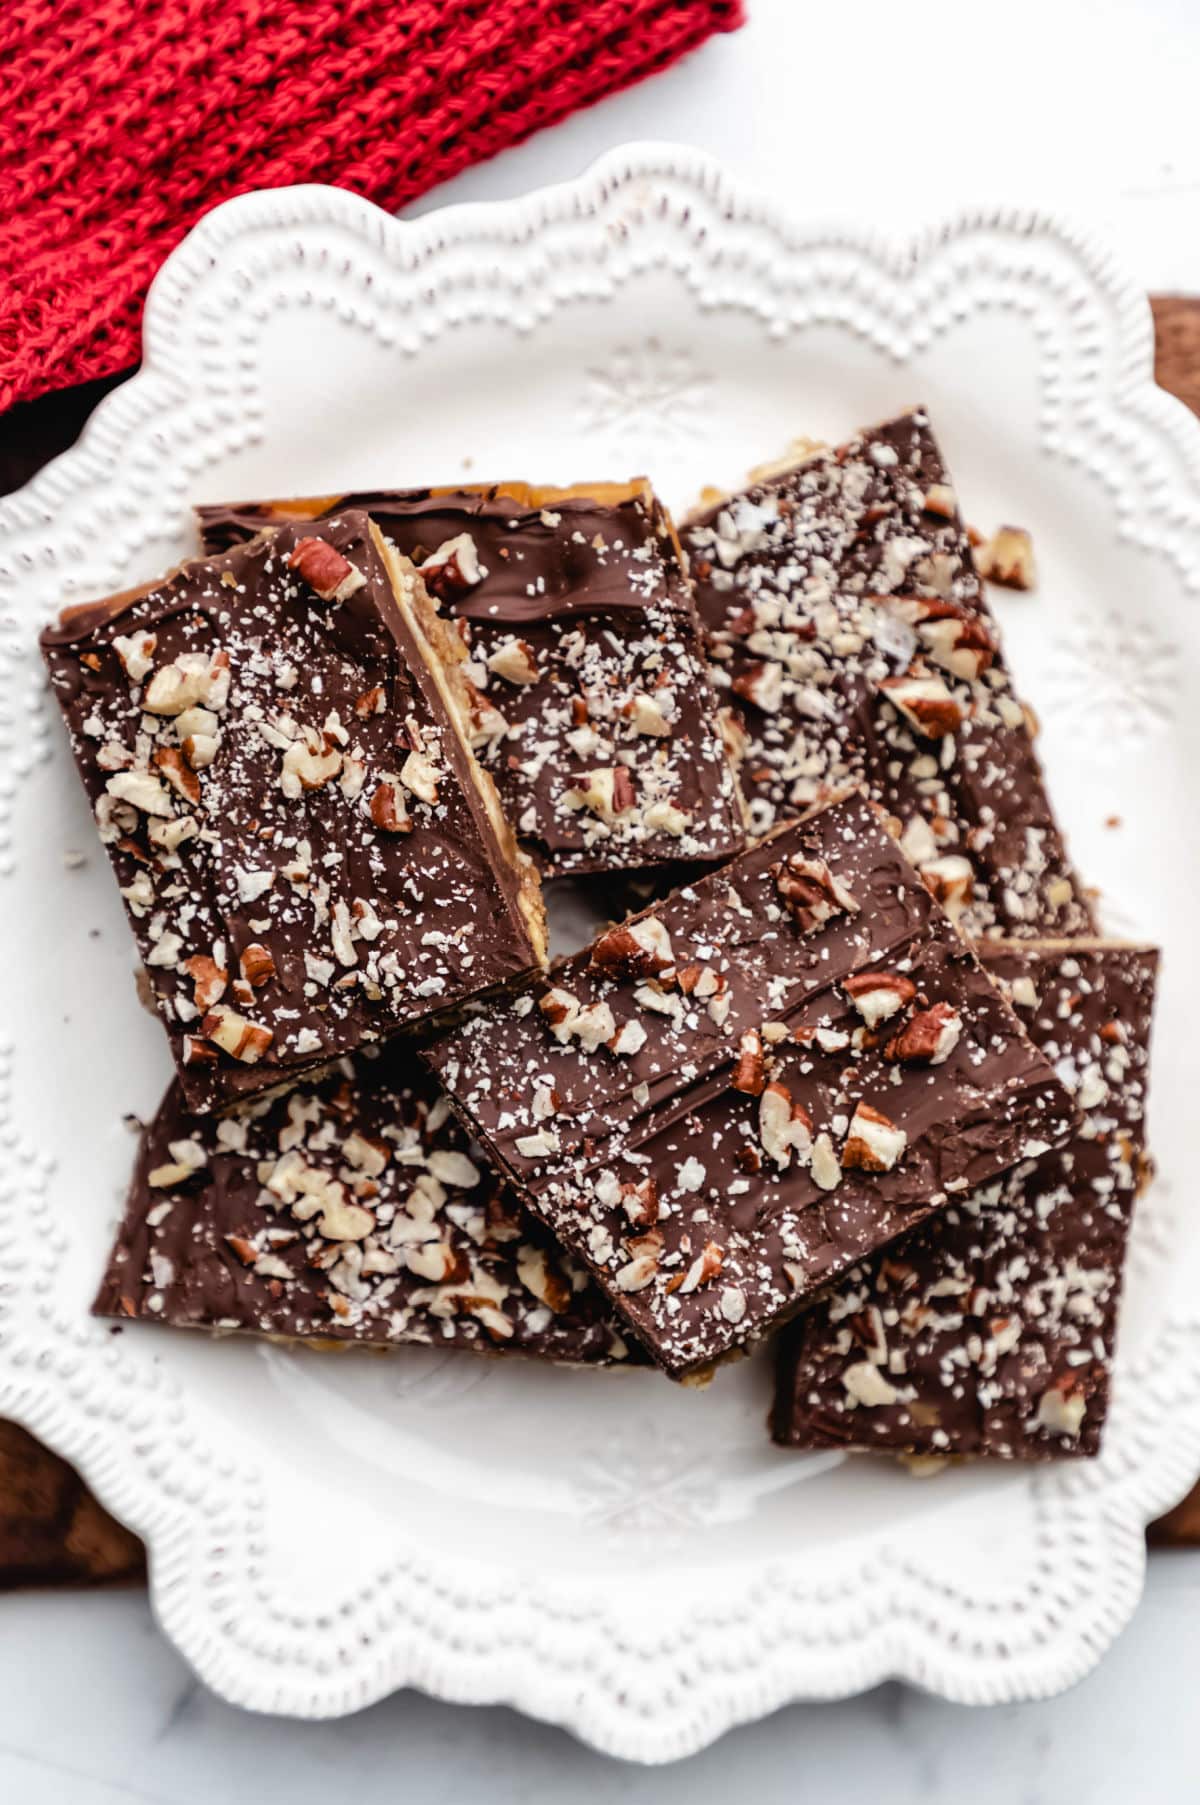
97 1711
898 115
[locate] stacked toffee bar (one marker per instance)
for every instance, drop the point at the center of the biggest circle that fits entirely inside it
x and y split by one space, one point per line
991 1329
352 1209
275 744
725 1101
852 645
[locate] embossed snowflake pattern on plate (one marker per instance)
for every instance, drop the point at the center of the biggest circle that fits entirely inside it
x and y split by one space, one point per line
601 1549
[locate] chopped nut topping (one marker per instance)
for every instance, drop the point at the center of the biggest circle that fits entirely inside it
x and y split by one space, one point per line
210 981
310 761
173 764
951 880
874 1143
535 1146
192 678
868 1386
561 1011
812 892
607 793
419 774
749 1072
930 1037
954 639
593 1025
925 703
1061 1411
343 1221
826 1170
762 684
703 1268
258 966
388 809
372 701
667 818
453 568
784 1126
637 1273
646 716
635 948
235 1035
540 1278
136 652
640 1202
141 790
878 995
629 1038
940 499
515 662
324 569
1007 558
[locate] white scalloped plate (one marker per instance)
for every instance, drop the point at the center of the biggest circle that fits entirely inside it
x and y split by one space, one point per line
603 1550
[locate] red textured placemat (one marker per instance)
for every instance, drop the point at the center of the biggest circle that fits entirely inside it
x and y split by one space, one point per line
125 120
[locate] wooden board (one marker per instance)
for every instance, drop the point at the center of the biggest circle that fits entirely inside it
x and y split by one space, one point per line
52 1532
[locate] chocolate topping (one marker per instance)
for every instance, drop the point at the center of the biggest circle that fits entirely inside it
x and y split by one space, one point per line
594 711
851 642
990 1330
274 746
355 1209
709 1046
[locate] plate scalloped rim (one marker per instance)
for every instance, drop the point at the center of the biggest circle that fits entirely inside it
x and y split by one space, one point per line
647 1695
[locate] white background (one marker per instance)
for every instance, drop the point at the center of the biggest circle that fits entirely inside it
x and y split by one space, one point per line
892 114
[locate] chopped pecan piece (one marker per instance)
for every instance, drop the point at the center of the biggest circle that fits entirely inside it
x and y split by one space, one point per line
750 1072
258 966
925 703
640 1202
702 1270
209 978
235 1035
515 662
784 1126
878 995
453 568
324 569
874 1143
762 684
174 766
930 1037
812 892
638 949
387 808
951 880
1007 558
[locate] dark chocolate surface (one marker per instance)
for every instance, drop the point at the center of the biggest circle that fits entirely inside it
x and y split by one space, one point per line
611 675
353 1209
991 1329
631 1063
309 855
822 587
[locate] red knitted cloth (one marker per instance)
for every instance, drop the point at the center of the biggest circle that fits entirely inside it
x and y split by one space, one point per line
125 120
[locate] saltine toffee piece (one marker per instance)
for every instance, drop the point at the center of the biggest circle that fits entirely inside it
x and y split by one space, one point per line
592 706
353 1208
275 746
851 644
726 1101
990 1330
